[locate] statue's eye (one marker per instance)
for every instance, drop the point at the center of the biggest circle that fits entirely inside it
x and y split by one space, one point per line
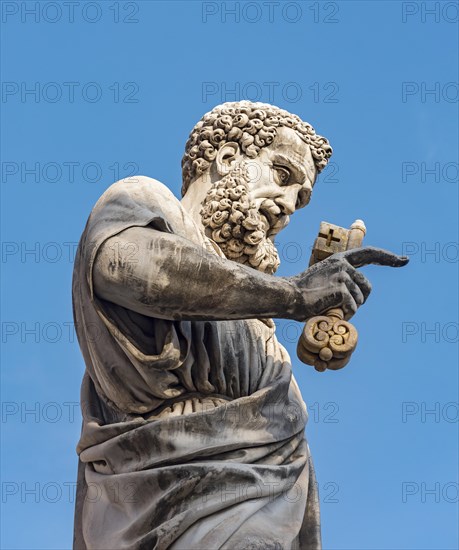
282 174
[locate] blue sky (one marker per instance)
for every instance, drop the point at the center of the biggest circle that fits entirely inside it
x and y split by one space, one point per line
113 88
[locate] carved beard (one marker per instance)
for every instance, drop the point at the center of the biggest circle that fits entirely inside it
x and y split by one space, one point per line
235 223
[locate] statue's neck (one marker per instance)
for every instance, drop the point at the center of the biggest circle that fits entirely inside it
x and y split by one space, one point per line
192 201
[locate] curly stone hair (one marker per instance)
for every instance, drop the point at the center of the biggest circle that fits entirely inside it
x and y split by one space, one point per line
252 126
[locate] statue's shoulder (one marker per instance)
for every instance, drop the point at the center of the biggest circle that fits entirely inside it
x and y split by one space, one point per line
137 197
137 201
140 189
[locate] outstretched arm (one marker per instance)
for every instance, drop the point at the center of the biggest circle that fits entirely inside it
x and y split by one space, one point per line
166 276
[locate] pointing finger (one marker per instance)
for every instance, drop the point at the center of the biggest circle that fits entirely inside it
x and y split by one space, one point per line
359 257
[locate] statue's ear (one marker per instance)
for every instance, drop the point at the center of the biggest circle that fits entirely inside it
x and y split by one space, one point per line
226 157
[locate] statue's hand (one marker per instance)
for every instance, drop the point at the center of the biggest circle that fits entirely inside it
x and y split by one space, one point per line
335 282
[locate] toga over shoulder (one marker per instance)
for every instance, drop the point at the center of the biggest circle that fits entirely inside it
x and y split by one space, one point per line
137 362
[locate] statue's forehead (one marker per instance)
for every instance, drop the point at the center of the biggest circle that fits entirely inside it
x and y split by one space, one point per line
289 144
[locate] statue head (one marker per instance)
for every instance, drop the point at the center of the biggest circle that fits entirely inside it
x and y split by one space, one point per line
247 167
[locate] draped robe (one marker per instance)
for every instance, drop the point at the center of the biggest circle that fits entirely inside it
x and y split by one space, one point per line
193 431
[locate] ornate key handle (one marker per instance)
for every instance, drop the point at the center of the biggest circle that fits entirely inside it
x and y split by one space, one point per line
328 341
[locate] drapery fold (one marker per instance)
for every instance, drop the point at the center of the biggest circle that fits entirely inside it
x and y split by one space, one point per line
193 431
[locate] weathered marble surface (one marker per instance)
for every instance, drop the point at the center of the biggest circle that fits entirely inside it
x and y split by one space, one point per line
193 425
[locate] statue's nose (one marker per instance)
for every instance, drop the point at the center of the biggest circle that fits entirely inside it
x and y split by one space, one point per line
287 201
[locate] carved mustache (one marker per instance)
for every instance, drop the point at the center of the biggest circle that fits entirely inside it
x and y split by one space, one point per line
274 217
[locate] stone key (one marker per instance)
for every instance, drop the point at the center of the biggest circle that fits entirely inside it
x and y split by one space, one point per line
328 341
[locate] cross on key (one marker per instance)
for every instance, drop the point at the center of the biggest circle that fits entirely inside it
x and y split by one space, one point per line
330 236
331 239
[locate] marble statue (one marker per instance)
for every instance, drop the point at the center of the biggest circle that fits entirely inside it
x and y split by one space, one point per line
193 425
